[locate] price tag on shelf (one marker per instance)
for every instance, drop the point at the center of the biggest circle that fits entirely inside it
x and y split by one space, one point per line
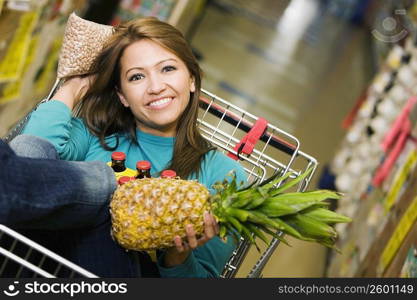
13 62
398 236
400 179
11 90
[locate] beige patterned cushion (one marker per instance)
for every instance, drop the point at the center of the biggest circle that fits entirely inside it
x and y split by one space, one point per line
83 41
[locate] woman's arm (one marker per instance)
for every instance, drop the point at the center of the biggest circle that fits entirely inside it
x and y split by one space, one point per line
53 121
71 92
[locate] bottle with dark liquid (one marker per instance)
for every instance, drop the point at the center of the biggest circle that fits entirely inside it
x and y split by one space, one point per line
144 169
168 174
118 161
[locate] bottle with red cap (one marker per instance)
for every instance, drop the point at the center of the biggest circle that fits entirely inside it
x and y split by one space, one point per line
144 169
168 174
124 179
118 161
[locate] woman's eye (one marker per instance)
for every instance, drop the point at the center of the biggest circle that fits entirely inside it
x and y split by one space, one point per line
136 77
168 68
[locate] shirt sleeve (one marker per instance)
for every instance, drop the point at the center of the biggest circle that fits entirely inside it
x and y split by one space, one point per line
53 121
206 261
209 260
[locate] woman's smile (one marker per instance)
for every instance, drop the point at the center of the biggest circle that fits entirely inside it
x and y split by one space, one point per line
160 103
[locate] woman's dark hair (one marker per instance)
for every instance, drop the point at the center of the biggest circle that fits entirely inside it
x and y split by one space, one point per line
104 114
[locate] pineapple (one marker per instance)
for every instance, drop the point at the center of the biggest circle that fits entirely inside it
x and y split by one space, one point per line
148 213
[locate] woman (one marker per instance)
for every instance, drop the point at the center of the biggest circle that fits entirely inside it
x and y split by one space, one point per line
142 99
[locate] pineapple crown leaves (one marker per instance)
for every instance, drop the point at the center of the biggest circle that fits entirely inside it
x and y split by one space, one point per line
311 228
267 183
274 179
292 182
279 236
325 215
263 208
291 203
265 189
227 188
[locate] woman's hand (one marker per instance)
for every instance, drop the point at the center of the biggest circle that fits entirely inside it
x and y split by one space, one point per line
73 90
178 254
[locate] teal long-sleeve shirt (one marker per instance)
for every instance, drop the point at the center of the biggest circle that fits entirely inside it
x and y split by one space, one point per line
73 141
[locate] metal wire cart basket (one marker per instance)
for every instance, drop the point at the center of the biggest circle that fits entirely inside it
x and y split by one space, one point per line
261 148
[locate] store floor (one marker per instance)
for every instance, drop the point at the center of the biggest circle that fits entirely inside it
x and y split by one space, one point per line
300 70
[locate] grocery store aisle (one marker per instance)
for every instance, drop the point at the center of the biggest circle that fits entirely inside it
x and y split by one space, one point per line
300 69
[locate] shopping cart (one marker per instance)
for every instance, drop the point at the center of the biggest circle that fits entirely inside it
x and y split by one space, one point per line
20 256
261 148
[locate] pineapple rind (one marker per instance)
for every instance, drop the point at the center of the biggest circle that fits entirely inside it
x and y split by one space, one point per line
148 213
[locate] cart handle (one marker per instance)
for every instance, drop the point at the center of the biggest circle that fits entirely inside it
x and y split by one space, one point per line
248 142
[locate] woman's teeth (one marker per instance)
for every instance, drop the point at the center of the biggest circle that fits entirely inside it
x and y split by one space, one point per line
160 102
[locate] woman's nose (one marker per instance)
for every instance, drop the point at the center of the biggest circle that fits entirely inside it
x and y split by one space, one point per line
155 84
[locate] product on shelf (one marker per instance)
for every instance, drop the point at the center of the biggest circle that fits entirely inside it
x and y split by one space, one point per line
375 167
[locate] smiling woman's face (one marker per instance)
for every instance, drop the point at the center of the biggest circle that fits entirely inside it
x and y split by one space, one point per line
155 84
